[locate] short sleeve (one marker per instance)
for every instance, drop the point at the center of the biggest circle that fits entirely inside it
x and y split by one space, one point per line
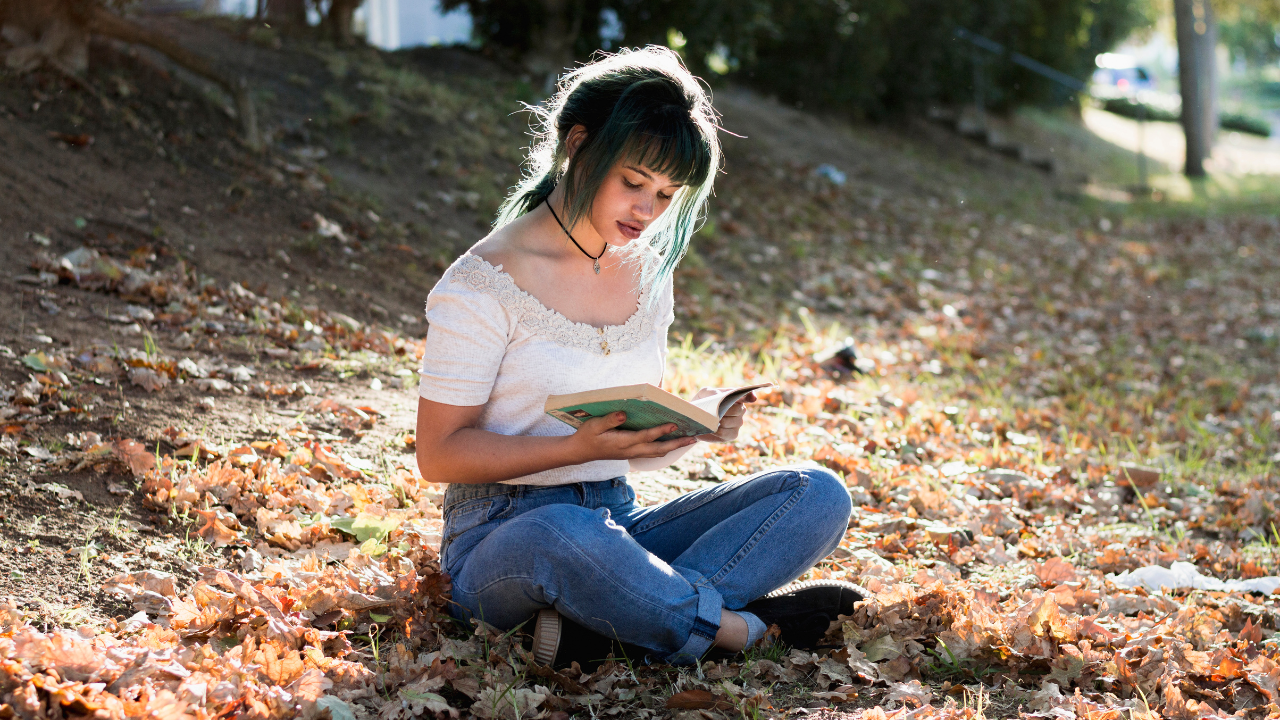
666 310
467 337
666 314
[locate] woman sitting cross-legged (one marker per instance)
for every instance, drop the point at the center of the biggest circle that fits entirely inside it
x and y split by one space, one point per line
572 292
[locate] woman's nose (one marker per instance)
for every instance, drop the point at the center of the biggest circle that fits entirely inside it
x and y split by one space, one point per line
643 209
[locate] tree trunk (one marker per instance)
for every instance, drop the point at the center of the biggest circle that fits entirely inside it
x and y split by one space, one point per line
1197 32
552 40
56 33
340 20
43 33
104 22
287 13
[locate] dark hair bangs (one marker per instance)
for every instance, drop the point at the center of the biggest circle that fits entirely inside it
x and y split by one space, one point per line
673 147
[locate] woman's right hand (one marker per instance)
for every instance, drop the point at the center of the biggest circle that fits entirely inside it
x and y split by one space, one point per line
600 439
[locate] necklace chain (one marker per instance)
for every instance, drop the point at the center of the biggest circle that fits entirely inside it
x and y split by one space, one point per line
595 258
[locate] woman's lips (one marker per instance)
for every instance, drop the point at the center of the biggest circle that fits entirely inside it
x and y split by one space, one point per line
630 232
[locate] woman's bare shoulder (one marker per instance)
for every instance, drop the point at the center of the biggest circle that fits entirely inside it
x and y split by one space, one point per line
509 248
498 248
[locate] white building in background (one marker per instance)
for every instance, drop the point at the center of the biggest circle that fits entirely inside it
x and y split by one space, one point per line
388 24
241 8
381 22
394 24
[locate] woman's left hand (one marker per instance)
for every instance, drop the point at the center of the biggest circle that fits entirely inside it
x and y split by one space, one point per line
731 423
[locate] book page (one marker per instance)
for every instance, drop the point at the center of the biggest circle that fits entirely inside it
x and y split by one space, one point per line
651 464
720 403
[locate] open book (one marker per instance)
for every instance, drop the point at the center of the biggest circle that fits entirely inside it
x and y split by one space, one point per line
648 406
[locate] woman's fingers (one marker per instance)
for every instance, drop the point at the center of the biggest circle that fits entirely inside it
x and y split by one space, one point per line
604 423
659 449
731 421
648 436
704 392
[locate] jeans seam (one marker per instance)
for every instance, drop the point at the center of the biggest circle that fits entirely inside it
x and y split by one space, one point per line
598 569
763 530
492 492
449 538
647 526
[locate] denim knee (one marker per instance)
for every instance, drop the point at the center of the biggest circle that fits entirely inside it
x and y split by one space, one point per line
827 501
556 543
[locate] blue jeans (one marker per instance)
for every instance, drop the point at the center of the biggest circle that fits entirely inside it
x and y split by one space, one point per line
658 576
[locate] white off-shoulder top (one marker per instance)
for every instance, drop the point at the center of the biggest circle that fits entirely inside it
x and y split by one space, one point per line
490 343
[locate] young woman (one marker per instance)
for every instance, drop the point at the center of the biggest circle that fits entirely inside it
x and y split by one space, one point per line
572 292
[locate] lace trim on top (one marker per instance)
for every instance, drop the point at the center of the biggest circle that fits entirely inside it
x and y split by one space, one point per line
476 272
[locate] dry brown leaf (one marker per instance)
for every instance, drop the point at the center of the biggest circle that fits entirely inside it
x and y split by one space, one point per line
910 693
1054 571
148 379
279 665
135 455
697 700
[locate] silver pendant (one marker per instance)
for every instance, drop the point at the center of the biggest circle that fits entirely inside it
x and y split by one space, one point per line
597 263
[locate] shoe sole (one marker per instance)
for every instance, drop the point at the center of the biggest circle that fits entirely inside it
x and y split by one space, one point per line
547 631
843 586
823 602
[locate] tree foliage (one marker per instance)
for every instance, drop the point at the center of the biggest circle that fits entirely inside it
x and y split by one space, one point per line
865 57
1251 30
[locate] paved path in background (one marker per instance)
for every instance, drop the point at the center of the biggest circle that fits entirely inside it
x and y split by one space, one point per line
1235 154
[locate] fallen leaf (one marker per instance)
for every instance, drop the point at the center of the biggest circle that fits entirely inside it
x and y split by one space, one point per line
911 692
696 700
1054 571
135 455
148 379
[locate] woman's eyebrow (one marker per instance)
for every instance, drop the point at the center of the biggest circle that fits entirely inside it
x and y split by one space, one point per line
637 168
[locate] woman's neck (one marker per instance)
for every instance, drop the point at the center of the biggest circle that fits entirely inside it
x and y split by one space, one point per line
581 232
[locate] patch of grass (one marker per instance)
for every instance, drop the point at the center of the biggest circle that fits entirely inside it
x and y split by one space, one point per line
86 553
946 666
773 652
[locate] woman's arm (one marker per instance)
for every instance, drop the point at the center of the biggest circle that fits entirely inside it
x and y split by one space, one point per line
451 449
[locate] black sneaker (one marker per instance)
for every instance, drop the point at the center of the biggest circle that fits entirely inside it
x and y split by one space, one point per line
804 610
559 641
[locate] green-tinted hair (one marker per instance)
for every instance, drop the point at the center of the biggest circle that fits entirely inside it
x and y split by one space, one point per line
638 106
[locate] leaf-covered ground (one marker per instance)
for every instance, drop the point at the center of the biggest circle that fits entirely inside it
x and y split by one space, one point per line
1042 395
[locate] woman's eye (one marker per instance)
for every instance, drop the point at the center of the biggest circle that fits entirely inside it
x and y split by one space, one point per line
629 184
663 197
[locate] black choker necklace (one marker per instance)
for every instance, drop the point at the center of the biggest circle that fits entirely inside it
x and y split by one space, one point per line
596 258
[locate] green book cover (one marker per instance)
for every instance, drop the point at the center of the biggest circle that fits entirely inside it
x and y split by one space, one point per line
647 407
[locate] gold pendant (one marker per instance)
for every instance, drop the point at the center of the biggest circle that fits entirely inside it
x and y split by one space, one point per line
597 267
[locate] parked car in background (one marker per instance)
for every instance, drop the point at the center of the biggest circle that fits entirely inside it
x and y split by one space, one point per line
1121 75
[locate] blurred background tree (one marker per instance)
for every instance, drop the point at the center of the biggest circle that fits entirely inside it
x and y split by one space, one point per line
1250 29
1197 35
287 13
339 20
866 58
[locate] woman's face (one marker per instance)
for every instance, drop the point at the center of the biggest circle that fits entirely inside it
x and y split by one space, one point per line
628 201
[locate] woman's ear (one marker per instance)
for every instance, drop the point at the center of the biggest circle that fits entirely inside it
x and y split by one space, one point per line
577 135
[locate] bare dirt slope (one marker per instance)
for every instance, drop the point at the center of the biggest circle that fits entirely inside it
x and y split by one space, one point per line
405 154
207 361
381 168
